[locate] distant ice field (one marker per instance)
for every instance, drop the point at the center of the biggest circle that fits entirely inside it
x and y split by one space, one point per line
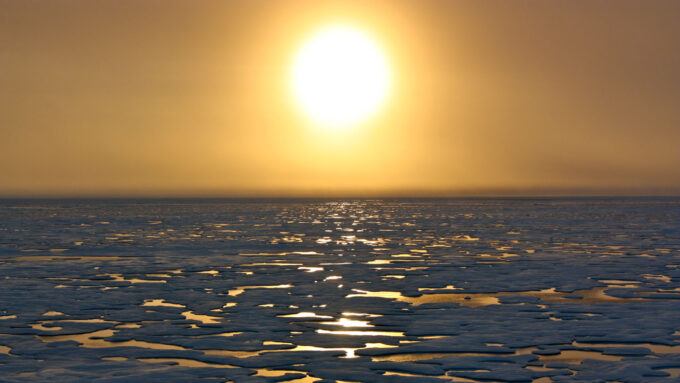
432 290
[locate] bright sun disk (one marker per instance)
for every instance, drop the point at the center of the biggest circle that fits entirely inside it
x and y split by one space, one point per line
340 77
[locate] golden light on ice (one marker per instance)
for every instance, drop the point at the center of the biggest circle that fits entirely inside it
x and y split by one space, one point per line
340 77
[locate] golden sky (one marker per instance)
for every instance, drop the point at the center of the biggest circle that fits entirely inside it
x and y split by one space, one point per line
164 97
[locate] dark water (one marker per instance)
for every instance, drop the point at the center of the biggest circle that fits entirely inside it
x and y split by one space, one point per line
357 290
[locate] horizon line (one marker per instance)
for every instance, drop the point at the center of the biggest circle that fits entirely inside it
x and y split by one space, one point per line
348 195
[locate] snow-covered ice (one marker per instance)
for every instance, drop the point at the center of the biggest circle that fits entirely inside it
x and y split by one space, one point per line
441 290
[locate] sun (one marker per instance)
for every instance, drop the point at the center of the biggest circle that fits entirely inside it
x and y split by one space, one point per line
340 77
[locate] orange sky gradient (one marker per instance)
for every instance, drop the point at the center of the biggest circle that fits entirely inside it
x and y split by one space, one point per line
192 98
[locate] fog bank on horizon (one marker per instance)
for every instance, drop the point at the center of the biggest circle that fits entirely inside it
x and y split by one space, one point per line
183 98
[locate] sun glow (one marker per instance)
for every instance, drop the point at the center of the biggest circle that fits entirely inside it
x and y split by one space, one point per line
340 77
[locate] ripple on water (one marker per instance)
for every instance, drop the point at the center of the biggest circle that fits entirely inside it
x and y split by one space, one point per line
240 290
160 303
205 319
594 295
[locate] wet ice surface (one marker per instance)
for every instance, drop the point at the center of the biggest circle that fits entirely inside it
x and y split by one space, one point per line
351 291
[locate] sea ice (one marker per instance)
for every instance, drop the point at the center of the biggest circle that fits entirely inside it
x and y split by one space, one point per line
511 290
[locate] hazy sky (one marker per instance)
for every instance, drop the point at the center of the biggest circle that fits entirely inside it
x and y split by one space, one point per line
162 97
